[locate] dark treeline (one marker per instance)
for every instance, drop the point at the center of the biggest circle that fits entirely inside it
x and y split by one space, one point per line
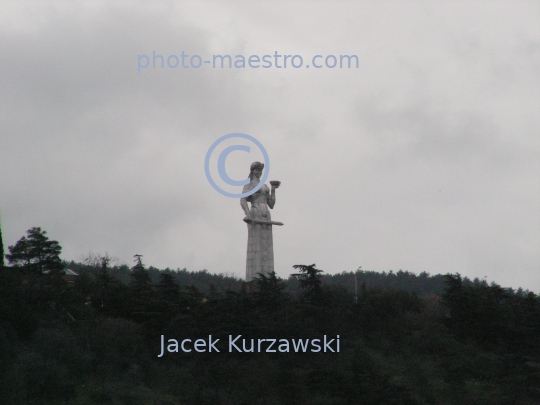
404 339
202 280
422 284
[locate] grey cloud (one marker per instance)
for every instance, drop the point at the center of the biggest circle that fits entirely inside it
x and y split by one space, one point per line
424 159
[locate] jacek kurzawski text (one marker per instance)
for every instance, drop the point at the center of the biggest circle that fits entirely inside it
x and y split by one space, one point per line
237 344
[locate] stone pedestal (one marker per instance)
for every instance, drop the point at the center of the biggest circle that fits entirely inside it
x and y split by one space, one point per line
260 246
260 250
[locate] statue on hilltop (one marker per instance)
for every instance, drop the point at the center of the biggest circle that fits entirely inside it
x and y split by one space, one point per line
260 249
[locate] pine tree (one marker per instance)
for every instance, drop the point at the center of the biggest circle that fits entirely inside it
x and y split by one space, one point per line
142 302
105 282
168 288
36 253
310 281
269 289
168 297
140 279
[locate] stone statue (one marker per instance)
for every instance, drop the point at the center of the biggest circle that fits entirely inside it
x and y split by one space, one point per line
260 250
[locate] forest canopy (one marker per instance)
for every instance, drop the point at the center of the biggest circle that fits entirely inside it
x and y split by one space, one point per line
89 333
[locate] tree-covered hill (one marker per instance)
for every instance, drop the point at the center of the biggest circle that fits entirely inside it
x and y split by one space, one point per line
403 338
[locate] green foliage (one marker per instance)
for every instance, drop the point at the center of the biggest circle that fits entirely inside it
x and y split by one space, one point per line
269 289
141 283
494 317
310 281
474 344
36 253
421 284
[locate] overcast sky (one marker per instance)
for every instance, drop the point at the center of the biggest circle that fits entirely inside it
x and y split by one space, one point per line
424 158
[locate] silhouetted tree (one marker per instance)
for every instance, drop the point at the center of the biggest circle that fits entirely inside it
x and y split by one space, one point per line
269 289
310 281
168 289
168 295
141 282
36 253
109 292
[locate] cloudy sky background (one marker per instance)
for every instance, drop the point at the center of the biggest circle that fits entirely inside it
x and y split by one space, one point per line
425 158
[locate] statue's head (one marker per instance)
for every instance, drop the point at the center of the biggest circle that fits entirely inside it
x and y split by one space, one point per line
255 170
